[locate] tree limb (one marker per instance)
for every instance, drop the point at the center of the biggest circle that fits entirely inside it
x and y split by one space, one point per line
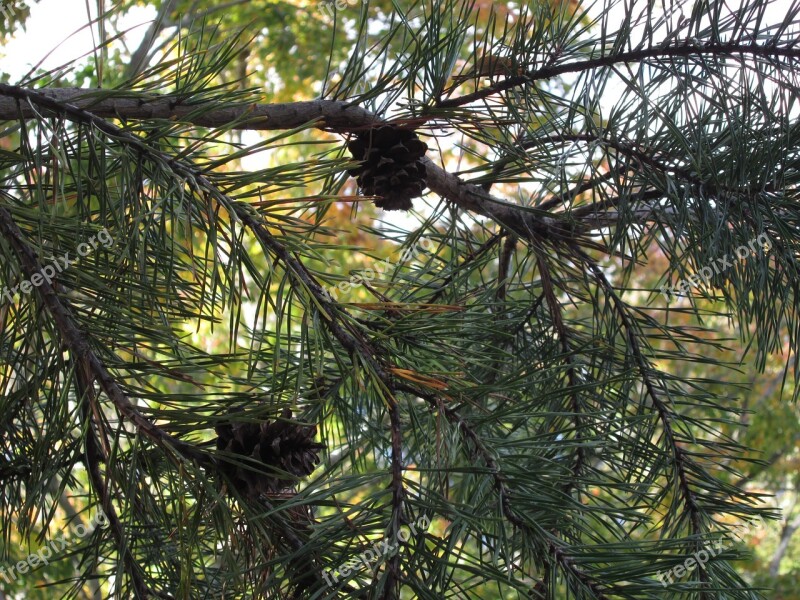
78 344
334 317
139 57
335 116
788 530
684 50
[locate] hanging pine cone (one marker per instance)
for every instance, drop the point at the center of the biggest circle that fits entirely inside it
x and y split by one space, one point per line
286 449
390 165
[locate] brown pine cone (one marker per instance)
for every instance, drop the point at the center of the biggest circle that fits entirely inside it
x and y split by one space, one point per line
287 451
391 166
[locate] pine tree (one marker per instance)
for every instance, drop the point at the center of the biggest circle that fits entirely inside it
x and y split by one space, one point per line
511 406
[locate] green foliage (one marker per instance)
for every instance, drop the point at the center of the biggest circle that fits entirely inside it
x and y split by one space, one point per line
511 374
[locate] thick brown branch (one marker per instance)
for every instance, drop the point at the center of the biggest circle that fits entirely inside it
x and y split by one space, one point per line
113 104
96 106
526 224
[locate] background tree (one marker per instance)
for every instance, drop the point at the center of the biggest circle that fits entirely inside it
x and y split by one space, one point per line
507 393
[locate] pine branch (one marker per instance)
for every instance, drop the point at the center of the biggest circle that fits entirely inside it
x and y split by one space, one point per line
349 338
554 548
562 334
335 116
78 344
688 49
330 115
353 341
563 229
470 197
538 358
679 456
89 368
93 457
